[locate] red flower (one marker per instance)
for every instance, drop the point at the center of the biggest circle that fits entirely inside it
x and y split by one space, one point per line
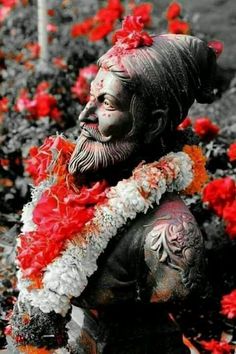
217 46
205 129
216 347
23 101
37 165
3 108
173 11
229 216
81 90
144 11
228 305
89 72
100 31
4 12
34 49
116 5
177 26
132 35
59 215
60 63
51 12
185 124
219 193
110 13
83 28
231 152
42 105
42 87
45 103
8 3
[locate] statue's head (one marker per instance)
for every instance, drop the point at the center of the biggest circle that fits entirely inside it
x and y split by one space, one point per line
140 94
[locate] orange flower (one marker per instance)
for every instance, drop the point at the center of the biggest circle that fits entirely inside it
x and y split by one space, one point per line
199 170
30 349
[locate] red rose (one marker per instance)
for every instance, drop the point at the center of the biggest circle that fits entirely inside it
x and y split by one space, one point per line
4 105
117 6
177 26
205 129
229 216
173 11
219 193
217 46
60 63
132 35
81 89
44 104
100 31
144 11
231 152
185 124
228 305
8 3
34 49
82 28
216 347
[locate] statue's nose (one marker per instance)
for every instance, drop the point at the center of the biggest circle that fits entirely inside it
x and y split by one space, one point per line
88 115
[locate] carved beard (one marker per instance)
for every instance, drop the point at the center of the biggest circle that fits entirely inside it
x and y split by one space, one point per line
96 154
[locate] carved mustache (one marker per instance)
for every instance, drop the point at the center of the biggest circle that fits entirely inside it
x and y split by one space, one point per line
91 131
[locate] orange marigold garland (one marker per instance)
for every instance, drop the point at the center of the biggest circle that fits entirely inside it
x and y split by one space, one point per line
199 170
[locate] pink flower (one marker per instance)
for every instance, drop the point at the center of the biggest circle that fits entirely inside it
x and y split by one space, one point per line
132 35
205 129
216 347
231 152
23 101
228 305
52 28
81 88
219 193
217 46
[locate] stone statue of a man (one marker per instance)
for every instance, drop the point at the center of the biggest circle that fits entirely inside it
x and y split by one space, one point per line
154 252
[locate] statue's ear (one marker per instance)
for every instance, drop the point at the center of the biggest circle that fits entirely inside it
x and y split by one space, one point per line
156 125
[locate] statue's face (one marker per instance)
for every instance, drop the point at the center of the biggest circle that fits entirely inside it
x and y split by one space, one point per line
105 125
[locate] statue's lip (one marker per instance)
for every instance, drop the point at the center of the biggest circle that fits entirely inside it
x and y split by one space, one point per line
91 131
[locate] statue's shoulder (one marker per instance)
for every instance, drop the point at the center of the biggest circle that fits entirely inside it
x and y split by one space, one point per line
173 247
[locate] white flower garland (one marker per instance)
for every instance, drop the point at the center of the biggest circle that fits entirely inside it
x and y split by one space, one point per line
67 275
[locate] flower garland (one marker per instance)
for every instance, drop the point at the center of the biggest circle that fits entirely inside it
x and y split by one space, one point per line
67 227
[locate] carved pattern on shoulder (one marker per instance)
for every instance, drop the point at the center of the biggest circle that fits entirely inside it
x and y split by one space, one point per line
176 241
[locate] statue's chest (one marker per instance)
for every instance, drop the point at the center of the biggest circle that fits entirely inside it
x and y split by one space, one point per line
121 268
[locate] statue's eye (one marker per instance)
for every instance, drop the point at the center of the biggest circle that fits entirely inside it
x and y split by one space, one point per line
108 105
